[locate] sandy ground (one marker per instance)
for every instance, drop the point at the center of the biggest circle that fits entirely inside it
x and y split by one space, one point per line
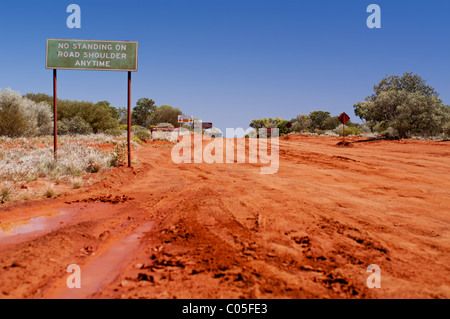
165 230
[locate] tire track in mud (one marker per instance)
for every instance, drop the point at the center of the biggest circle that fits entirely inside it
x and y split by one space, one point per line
104 268
222 252
40 259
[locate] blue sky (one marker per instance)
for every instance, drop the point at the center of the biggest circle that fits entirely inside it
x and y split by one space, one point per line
231 61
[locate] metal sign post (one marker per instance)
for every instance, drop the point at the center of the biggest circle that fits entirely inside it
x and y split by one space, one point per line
129 119
55 118
344 118
98 55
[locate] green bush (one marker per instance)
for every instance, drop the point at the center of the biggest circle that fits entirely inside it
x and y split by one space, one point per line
20 116
114 132
62 128
143 135
77 125
100 116
447 129
135 128
349 130
331 123
118 155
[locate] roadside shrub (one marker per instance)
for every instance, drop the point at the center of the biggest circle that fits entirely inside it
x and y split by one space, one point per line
135 128
74 159
95 164
97 116
136 139
77 125
118 155
6 190
114 132
44 119
331 123
77 183
349 130
62 128
20 116
50 191
319 132
143 135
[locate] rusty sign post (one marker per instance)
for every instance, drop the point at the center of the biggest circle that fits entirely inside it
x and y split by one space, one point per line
129 119
97 55
344 118
55 118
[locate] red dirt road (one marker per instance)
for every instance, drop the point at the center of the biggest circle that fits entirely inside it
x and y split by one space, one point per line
162 230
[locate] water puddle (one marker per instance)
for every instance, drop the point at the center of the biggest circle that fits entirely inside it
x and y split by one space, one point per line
27 225
42 222
28 228
105 268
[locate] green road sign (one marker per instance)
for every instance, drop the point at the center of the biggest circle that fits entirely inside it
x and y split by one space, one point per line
91 55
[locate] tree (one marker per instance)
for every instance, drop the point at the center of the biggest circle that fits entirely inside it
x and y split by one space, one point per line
407 104
418 114
318 119
282 128
123 115
142 111
270 122
257 124
301 123
115 113
331 123
408 82
165 114
40 97
97 116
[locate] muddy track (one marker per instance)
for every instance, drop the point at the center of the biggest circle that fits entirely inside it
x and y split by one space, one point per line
162 230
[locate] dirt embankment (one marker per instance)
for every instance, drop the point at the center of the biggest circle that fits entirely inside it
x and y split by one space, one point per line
162 230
